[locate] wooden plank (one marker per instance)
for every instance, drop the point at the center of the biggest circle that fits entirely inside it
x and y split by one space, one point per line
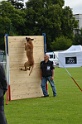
35 72
22 85
17 41
17 54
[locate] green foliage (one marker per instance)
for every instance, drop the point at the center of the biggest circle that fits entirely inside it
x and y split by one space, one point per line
66 108
61 43
18 4
41 16
4 25
68 22
12 20
48 16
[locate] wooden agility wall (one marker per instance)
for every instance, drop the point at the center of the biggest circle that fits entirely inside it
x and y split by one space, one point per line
21 84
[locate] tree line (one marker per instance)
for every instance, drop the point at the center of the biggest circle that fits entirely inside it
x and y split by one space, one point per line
37 17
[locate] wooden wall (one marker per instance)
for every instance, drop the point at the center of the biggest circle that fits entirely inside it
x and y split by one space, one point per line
21 84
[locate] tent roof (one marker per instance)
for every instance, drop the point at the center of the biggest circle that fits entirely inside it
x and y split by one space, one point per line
73 48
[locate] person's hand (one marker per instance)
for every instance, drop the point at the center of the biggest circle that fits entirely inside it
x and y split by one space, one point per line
52 78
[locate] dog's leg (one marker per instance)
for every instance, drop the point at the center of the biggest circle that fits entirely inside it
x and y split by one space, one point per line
31 69
25 67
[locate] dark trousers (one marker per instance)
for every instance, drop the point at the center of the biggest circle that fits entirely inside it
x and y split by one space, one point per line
2 114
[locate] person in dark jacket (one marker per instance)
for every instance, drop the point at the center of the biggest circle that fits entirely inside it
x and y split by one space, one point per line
3 89
47 74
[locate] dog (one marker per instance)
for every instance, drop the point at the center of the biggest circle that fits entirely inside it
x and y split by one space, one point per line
29 54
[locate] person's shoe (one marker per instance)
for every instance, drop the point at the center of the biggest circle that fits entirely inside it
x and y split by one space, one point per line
46 96
54 95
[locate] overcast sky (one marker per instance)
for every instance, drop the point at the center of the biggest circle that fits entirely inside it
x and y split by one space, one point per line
76 5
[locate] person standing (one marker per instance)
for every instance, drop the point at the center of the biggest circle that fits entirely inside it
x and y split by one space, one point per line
3 89
47 74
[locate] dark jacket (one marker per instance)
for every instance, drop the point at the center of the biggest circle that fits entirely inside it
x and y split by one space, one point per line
46 68
3 81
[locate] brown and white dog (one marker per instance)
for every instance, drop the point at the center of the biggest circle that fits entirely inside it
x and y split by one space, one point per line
29 53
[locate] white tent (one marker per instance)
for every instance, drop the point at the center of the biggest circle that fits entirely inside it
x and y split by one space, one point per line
71 57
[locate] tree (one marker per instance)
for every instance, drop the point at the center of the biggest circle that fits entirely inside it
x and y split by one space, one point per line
50 17
44 16
11 20
68 23
61 43
15 16
39 16
18 4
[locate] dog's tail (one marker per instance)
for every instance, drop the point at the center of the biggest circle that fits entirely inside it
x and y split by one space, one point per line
31 69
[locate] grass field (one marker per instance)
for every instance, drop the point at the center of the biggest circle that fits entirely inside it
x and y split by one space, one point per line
66 108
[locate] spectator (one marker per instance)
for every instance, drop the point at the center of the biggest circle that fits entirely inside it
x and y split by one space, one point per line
3 89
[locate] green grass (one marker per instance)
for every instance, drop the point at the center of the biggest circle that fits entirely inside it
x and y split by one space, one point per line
66 108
